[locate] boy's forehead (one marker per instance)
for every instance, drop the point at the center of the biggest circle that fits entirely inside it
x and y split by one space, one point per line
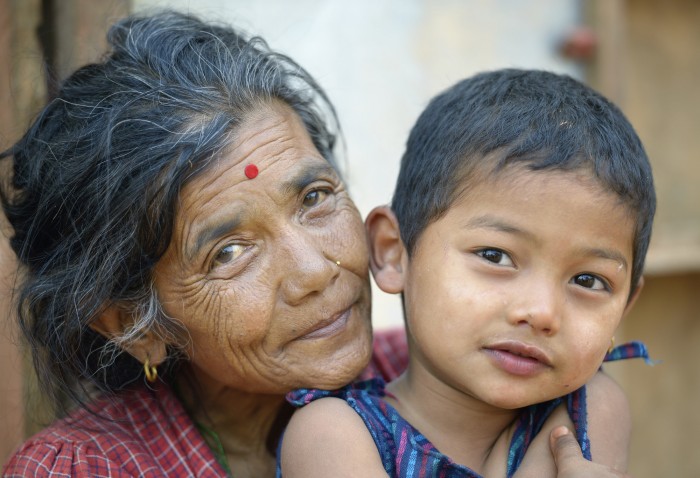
519 183
496 167
542 206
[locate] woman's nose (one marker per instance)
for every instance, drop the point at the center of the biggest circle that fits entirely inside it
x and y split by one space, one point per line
305 266
539 307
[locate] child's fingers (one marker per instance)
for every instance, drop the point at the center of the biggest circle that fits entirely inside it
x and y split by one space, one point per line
570 461
565 448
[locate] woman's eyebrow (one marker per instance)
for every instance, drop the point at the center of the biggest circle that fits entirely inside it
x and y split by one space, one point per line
306 176
209 233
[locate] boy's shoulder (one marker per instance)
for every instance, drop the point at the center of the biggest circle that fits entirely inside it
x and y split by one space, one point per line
609 421
371 387
339 445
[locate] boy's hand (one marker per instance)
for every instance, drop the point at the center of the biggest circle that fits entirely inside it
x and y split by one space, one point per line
570 461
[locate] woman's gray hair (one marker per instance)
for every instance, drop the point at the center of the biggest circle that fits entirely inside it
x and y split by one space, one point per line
96 179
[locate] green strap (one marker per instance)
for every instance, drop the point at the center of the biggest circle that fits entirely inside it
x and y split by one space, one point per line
213 437
217 449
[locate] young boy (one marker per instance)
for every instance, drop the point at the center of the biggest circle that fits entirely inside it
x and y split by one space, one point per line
517 235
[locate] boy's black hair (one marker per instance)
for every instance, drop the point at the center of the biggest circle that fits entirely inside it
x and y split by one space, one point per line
542 120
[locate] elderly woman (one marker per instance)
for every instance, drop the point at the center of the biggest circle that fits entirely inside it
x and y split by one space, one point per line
179 202
190 255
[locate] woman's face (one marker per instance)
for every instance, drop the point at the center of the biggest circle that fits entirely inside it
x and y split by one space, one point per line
269 275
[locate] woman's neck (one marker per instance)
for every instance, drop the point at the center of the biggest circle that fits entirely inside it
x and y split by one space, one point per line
467 430
241 421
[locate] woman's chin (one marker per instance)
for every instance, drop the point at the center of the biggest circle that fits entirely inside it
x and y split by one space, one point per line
335 361
342 367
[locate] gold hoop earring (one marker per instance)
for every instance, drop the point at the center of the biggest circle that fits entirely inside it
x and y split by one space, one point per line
612 344
150 370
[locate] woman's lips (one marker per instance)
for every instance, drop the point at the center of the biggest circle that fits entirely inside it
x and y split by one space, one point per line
518 358
330 326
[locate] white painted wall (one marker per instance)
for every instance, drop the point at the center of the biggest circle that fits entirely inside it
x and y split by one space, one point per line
382 60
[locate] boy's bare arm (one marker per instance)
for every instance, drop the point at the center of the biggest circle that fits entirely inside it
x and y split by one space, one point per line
609 426
328 438
609 422
538 461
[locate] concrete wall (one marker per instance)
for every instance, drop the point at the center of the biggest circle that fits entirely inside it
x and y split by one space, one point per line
381 61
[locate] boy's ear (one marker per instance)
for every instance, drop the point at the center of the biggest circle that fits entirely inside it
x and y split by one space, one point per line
114 321
634 296
387 256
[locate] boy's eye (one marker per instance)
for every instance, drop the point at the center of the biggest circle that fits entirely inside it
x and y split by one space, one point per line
496 256
589 281
314 197
228 253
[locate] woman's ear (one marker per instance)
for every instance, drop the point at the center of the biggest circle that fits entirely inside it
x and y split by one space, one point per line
114 321
387 256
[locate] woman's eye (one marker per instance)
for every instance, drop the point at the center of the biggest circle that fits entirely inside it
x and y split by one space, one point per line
495 256
589 281
314 197
229 253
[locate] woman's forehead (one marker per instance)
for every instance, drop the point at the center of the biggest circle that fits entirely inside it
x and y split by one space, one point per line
227 209
270 132
276 146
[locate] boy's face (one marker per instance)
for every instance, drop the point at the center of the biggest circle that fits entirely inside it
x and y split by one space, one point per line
513 296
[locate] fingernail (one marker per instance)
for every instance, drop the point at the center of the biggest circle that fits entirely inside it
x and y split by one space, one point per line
560 432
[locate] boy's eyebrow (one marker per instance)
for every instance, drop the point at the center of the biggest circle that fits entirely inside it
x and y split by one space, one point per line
608 254
491 222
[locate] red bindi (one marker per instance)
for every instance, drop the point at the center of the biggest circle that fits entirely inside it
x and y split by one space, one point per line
251 171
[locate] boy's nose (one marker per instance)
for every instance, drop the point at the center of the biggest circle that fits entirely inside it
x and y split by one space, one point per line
539 307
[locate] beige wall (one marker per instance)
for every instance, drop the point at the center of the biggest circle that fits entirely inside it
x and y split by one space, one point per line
649 64
381 61
655 66
664 398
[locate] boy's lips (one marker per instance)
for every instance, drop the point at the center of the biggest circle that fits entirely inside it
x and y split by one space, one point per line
518 358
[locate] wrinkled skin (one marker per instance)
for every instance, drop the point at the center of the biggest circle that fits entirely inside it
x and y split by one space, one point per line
269 276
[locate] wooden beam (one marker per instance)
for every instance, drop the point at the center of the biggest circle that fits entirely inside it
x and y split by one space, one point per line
35 37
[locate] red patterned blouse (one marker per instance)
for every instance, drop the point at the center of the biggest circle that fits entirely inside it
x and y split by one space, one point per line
148 433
